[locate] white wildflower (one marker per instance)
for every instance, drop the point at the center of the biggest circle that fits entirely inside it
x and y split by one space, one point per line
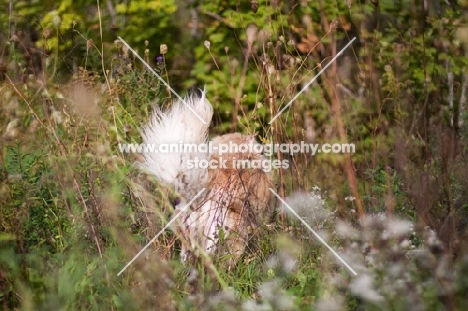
56 117
398 227
363 286
330 304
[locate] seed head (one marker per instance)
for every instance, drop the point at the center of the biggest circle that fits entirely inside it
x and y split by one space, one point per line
163 49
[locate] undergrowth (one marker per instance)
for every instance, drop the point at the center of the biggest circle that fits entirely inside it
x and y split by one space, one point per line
75 210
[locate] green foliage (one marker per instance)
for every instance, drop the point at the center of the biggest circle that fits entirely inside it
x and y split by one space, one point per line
143 16
387 190
74 209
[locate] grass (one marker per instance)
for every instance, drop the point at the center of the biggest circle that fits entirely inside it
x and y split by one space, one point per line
74 210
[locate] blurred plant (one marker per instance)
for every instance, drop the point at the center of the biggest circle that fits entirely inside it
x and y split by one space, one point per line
74 209
394 272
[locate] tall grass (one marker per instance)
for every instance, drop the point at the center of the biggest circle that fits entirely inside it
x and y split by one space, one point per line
74 210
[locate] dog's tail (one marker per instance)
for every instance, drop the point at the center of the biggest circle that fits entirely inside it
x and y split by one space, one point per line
175 136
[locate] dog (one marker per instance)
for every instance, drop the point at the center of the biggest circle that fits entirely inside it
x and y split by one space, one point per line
233 197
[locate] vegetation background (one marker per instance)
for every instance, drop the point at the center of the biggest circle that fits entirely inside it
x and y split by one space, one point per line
75 210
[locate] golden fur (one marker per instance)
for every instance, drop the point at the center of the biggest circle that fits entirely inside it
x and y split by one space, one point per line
236 202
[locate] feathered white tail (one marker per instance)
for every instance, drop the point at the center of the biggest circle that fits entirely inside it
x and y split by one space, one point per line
179 126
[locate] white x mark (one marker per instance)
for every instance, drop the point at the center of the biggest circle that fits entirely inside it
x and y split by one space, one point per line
312 81
315 233
162 230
